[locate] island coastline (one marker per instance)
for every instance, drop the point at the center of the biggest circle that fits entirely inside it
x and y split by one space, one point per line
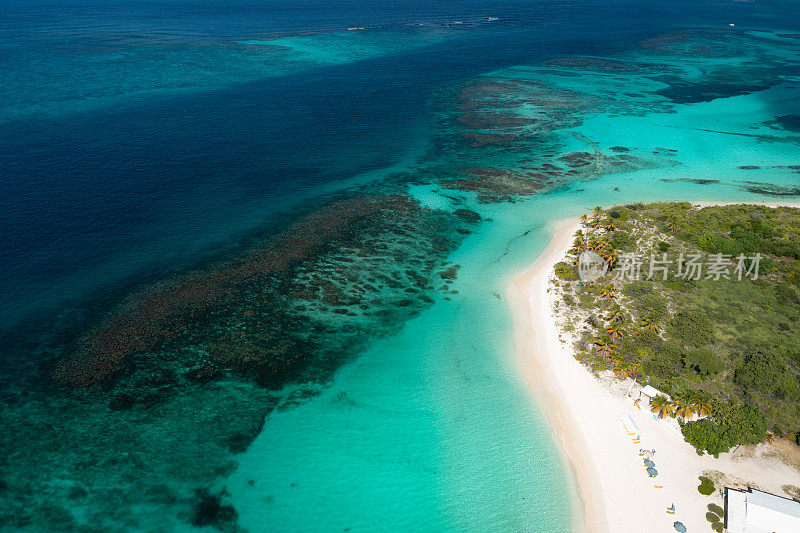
584 416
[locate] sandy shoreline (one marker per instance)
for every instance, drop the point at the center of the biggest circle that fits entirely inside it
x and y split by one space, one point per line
526 297
584 415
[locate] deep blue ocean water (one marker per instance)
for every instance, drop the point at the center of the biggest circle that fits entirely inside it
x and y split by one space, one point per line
105 180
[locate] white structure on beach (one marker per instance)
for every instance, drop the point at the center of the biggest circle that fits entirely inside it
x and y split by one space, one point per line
651 392
753 511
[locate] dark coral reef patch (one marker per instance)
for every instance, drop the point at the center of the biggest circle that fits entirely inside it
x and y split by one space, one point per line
594 63
696 181
496 184
243 314
769 189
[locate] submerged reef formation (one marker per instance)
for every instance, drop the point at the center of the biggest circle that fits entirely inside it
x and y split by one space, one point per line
179 377
769 189
522 128
244 292
758 59
701 42
594 63
520 123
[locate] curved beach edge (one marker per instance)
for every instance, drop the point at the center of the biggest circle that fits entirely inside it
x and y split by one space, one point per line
534 338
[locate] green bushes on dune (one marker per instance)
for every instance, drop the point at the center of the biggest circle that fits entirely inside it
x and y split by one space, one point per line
733 342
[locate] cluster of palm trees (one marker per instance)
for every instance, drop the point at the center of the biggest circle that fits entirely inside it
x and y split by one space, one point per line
588 241
607 346
616 316
685 405
593 221
616 328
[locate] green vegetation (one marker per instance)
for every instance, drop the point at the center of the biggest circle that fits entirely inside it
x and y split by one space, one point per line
723 348
716 509
566 271
706 486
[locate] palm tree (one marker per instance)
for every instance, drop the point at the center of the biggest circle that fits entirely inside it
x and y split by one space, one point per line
610 226
649 322
615 331
604 347
614 314
578 246
661 406
584 218
611 259
597 212
701 403
683 404
599 244
770 437
608 292
636 403
626 370
671 227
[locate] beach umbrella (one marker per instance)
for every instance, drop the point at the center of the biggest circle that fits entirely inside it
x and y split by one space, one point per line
649 464
652 472
679 527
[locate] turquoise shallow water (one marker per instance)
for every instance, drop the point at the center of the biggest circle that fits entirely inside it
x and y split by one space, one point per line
434 424
190 142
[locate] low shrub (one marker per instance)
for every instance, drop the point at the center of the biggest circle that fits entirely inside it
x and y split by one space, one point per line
716 509
706 487
711 517
566 271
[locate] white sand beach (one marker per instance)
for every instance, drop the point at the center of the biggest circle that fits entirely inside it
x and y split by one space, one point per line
584 414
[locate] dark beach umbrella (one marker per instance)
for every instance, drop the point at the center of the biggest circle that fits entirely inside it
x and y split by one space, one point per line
649 464
679 527
652 471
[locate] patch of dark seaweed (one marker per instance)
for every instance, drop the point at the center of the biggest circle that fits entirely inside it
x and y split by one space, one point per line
788 122
704 42
495 184
210 510
683 92
467 215
161 313
597 63
482 121
696 181
769 189
477 140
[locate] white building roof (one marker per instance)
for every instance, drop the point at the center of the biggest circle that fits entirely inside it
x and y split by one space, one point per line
652 392
775 503
760 512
